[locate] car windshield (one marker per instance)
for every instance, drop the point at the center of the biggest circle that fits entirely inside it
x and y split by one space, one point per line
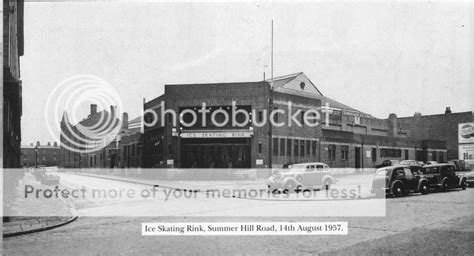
394 162
383 172
406 162
298 167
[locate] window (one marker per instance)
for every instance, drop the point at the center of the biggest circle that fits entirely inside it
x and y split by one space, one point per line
288 147
434 156
332 152
308 147
260 116
302 147
302 118
259 147
374 154
344 152
275 146
313 146
282 147
390 152
296 148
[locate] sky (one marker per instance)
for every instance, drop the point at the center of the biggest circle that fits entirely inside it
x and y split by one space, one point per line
379 58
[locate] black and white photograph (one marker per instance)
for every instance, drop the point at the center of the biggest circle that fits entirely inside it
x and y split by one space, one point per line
140 127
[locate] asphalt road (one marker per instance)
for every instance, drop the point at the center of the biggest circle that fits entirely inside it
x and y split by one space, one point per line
437 224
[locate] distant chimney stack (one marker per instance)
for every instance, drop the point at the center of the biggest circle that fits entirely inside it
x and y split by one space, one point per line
112 110
55 144
448 110
417 114
125 120
49 143
93 109
38 143
393 124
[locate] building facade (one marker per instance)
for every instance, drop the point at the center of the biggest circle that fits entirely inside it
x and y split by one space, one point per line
120 151
442 127
12 87
339 135
36 154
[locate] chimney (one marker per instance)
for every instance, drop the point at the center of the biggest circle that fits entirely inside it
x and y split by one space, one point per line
124 120
393 124
448 110
55 144
112 110
417 114
93 109
38 143
49 143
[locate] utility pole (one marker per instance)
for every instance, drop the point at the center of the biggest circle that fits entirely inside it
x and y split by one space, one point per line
270 109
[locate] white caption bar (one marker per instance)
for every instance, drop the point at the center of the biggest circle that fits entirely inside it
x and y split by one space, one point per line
244 228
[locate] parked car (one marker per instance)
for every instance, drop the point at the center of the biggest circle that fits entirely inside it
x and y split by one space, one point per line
443 176
414 166
398 180
301 176
50 176
386 163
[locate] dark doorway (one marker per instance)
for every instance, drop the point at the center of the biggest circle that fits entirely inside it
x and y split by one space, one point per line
406 154
223 153
357 157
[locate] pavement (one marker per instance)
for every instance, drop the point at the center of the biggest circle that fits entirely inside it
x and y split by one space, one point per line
21 223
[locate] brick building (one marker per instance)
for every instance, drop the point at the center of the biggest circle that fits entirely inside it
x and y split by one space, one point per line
119 151
47 155
12 87
442 127
346 138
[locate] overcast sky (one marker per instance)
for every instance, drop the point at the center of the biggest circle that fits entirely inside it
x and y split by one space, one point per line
377 58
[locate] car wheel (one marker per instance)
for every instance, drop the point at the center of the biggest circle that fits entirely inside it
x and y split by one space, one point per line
290 186
398 190
444 185
424 189
463 185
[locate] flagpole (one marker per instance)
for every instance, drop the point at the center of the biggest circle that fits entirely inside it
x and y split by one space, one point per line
270 109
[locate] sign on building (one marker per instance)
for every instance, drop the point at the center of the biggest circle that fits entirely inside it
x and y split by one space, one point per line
466 133
466 152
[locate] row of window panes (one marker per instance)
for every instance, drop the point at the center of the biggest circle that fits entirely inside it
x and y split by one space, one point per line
285 147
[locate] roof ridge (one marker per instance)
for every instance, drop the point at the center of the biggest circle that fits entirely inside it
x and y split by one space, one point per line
285 76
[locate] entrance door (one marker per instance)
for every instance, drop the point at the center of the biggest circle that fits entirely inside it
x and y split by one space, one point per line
357 157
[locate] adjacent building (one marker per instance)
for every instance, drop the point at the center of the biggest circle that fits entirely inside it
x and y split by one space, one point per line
443 127
12 88
36 154
343 136
119 151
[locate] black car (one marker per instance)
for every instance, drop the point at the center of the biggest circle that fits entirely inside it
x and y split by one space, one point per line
443 176
386 163
398 180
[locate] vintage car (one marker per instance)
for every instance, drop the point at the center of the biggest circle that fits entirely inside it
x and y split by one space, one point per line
49 176
443 176
386 163
301 176
398 180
